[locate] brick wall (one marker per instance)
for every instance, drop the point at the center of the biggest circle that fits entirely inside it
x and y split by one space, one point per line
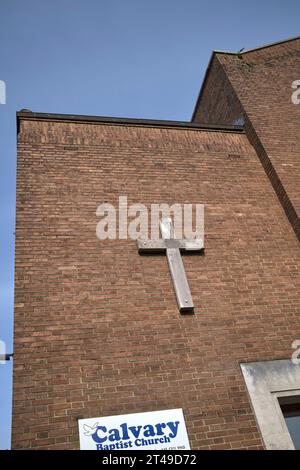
218 102
258 84
97 329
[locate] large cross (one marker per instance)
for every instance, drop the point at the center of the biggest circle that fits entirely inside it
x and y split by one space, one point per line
173 247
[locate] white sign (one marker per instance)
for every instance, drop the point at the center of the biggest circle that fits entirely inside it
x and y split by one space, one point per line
143 431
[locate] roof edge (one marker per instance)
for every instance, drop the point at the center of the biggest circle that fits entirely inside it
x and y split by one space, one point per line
29 115
264 46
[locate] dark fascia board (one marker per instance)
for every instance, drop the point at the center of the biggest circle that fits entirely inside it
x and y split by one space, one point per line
28 115
215 52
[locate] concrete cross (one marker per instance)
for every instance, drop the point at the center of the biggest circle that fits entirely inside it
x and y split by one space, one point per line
173 247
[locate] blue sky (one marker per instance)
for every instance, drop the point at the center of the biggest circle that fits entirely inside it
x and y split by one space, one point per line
124 58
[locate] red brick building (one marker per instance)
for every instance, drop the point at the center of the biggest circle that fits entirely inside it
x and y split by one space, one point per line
97 327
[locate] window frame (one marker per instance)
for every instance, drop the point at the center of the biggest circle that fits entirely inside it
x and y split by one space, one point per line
266 383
